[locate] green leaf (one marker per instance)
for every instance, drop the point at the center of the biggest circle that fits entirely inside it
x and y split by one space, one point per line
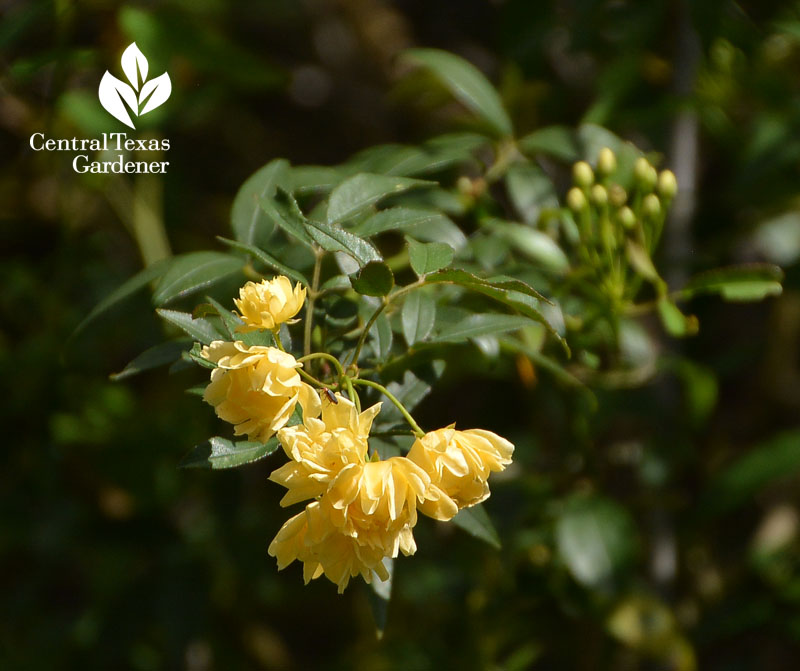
530 190
775 459
642 263
191 272
398 218
219 453
737 283
675 322
290 219
357 193
381 334
556 141
127 288
428 257
479 325
537 246
596 538
336 239
312 178
476 522
200 329
404 160
267 259
374 279
467 84
418 316
511 292
158 355
230 320
380 593
409 392
248 220
195 355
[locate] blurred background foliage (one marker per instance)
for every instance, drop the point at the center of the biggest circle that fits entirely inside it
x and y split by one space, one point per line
657 530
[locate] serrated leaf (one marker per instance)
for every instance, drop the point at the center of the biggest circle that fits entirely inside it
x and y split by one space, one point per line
230 320
596 539
199 329
418 316
556 141
357 193
737 283
374 279
219 453
191 272
289 219
127 288
428 257
249 222
476 522
511 292
479 325
336 239
158 355
398 218
267 259
467 84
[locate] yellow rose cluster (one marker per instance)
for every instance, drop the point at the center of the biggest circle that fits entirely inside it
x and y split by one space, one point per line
359 510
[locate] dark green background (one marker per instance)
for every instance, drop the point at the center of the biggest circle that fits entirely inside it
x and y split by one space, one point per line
111 558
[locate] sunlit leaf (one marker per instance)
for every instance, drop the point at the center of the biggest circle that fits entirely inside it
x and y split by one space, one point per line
200 329
191 272
222 453
336 239
476 522
357 193
418 316
428 257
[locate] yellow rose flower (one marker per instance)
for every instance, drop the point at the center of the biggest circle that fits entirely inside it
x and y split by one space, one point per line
320 448
311 538
459 463
256 388
269 304
366 515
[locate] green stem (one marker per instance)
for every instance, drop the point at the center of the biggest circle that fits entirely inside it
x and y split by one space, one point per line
348 383
314 380
369 383
312 298
365 331
327 357
278 340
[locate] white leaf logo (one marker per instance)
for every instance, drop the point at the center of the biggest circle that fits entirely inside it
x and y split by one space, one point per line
119 98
